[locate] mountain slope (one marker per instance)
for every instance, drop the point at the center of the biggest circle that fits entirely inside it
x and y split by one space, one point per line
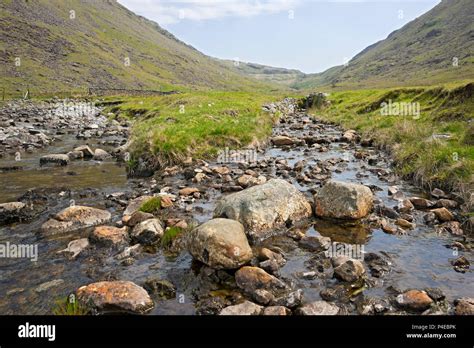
266 73
55 45
422 52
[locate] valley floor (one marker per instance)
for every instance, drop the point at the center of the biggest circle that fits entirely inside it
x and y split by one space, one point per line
411 253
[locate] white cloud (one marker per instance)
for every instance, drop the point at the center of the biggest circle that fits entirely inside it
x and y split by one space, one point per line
173 11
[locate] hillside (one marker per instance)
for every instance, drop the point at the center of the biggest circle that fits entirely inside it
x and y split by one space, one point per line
420 53
73 45
287 77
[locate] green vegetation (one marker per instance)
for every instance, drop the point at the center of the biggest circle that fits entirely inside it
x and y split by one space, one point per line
435 149
198 124
287 77
424 52
151 205
69 306
435 48
170 234
68 45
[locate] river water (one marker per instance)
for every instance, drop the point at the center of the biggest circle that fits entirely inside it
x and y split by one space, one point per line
420 258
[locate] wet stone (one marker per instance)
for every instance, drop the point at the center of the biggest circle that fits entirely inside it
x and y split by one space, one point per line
160 287
414 300
122 296
244 308
318 308
276 310
464 306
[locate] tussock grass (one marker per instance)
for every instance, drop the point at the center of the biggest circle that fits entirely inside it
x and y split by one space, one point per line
168 129
170 234
435 149
151 205
65 306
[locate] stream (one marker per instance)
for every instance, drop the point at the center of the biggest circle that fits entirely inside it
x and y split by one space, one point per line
419 258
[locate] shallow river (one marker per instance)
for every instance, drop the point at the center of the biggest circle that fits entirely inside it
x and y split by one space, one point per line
420 258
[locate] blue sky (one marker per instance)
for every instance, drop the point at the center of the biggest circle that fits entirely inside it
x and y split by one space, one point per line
309 35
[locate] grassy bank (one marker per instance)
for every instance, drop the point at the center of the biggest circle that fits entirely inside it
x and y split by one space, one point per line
197 124
434 146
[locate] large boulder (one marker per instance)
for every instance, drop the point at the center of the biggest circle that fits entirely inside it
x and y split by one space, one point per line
220 244
75 218
123 296
341 200
264 208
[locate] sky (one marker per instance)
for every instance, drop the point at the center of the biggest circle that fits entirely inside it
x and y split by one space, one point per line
308 35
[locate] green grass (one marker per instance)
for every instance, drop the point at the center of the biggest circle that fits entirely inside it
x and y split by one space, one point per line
420 53
151 205
68 306
170 234
433 162
67 56
171 128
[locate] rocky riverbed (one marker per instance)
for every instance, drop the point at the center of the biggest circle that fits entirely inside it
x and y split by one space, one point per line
316 223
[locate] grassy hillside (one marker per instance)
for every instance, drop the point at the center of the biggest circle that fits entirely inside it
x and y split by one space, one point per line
434 147
199 124
56 45
287 77
420 53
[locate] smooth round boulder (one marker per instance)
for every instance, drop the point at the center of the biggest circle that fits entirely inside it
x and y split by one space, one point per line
342 200
220 244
